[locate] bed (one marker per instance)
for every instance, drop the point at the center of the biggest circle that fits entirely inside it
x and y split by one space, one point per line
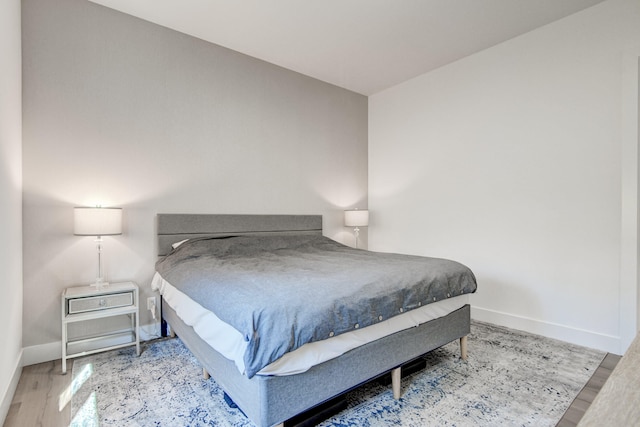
269 398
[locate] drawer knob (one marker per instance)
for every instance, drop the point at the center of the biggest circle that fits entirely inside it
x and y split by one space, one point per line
102 302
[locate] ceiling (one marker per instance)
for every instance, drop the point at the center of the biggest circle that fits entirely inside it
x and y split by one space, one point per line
362 45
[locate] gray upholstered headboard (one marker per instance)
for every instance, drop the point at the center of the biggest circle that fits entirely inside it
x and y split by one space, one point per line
173 228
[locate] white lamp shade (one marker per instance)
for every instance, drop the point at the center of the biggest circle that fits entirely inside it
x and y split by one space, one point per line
97 221
356 218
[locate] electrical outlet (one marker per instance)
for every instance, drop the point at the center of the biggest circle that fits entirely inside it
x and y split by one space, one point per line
151 304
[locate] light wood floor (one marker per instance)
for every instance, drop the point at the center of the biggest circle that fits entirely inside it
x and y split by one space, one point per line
589 391
38 397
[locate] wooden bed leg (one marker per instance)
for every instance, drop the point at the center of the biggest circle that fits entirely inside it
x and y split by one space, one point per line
205 374
279 425
172 333
395 382
463 348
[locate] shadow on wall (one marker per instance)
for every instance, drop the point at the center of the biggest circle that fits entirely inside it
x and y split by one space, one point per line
495 292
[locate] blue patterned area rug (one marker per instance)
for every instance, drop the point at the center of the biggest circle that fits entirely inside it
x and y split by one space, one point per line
511 378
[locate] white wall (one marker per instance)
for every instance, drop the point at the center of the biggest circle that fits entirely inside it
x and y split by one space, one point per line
511 161
10 203
122 112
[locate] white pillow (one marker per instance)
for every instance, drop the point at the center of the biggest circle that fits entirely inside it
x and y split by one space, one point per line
175 245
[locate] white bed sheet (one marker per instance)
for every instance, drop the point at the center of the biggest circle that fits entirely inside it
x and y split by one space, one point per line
229 342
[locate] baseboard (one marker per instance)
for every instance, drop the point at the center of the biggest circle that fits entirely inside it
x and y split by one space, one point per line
41 353
150 331
7 397
569 334
52 351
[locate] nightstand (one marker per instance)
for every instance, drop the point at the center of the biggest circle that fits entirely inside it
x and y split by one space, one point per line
87 303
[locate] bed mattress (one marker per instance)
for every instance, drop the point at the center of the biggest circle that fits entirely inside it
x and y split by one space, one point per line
229 342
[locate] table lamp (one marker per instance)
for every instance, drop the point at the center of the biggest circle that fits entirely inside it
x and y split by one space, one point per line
97 222
356 218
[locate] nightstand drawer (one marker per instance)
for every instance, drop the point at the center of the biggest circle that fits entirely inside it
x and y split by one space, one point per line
102 302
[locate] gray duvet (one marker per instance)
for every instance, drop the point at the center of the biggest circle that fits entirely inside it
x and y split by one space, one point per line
282 291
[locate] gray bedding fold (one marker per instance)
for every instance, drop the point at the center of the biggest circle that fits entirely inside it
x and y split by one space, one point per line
282 291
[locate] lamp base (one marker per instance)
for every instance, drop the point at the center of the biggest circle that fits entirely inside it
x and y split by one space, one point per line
100 285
